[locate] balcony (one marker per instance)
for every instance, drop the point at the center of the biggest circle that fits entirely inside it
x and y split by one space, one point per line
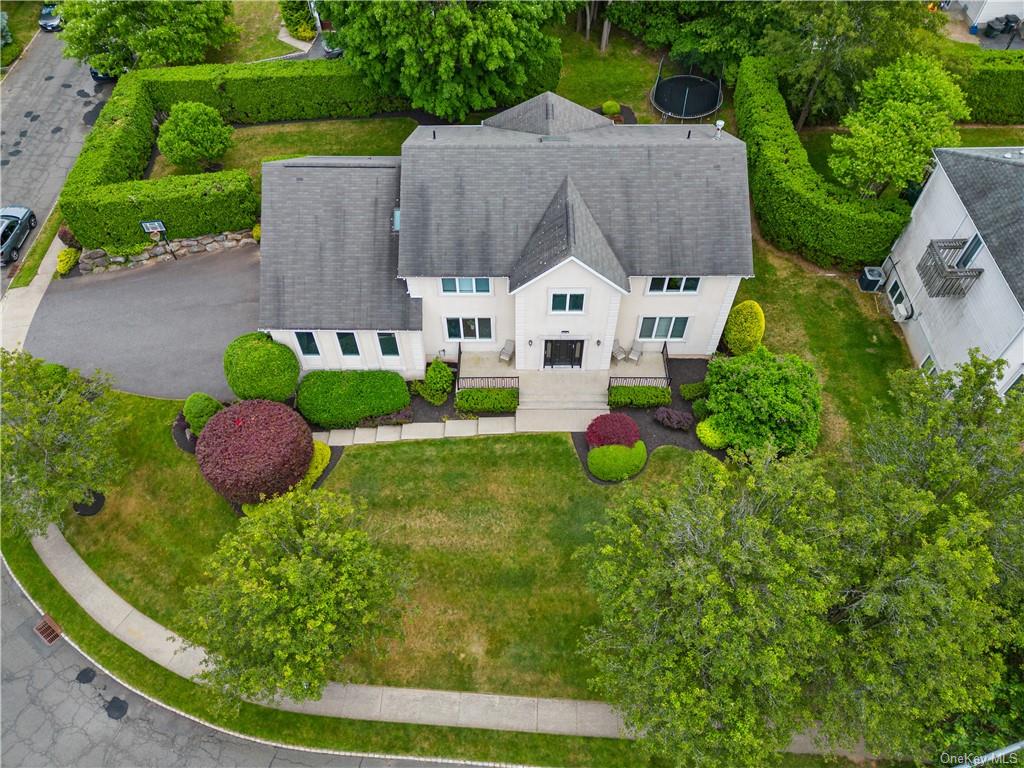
939 271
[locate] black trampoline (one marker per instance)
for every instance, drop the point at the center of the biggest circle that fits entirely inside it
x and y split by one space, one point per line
687 97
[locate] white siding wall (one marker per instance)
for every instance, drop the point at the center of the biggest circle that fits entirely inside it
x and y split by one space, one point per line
981 11
707 310
988 317
410 361
437 306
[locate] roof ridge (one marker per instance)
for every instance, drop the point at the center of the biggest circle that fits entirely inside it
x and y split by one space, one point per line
993 155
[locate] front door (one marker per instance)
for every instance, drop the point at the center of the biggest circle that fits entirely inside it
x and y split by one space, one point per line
563 353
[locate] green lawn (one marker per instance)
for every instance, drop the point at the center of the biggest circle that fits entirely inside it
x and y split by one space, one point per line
29 266
258 22
825 319
23 19
256 143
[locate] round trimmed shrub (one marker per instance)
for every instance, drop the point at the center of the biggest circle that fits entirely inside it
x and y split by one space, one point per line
612 429
199 408
67 260
710 434
254 450
194 135
745 327
259 368
611 108
437 382
341 399
616 462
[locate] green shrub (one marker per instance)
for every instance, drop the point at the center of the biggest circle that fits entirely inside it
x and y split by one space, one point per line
297 18
67 259
485 400
616 462
745 327
796 208
700 408
759 399
710 435
193 136
317 465
545 77
611 108
256 232
257 367
341 399
992 80
437 382
638 397
693 390
198 409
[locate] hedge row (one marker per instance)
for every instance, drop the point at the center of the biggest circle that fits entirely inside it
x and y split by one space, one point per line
104 199
341 399
487 400
992 81
638 397
796 208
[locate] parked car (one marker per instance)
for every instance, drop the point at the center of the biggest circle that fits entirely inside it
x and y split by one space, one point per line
15 224
101 77
49 18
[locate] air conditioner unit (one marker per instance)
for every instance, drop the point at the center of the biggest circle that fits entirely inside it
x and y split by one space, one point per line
900 313
871 279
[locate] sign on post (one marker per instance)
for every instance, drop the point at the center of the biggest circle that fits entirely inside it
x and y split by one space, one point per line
155 229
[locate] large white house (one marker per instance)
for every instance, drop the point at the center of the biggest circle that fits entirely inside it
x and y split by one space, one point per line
955 278
547 237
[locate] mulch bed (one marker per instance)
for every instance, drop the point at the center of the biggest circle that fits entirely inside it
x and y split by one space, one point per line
579 442
185 443
93 507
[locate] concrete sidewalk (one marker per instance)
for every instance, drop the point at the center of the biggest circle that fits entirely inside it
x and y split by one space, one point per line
526 714
18 306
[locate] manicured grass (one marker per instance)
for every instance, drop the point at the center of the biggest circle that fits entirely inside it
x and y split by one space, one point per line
852 344
30 261
256 143
23 19
258 22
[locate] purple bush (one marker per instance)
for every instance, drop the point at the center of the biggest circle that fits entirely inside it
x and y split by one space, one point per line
673 418
612 429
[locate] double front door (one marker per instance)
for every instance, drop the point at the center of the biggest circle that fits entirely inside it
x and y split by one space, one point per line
563 353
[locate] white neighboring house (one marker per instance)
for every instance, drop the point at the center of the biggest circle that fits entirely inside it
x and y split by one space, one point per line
955 278
982 11
547 231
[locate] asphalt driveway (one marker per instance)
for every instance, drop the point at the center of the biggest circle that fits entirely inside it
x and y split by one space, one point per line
159 330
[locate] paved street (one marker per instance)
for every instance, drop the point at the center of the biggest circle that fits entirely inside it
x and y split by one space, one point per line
51 719
47 104
159 330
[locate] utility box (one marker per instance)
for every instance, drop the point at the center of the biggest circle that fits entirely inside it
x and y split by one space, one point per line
871 279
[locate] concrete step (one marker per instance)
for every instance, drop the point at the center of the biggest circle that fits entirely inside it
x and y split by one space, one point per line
561 419
560 404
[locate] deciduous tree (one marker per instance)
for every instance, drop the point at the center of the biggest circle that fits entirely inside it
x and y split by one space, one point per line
194 135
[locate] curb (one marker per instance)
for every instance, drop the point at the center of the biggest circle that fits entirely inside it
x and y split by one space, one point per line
244 736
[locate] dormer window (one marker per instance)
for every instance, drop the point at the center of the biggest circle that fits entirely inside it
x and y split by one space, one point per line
465 285
396 220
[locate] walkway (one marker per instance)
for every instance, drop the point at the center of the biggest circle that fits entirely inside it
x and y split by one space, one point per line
363 702
18 307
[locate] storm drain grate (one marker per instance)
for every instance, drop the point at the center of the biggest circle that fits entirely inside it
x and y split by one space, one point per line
48 629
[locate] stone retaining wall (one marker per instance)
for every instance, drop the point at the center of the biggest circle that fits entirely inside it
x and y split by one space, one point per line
98 260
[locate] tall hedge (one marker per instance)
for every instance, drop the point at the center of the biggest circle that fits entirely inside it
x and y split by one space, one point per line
992 80
105 197
796 208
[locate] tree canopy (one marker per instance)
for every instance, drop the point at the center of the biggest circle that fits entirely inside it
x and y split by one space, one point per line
194 135
905 110
115 35
57 440
451 58
287 595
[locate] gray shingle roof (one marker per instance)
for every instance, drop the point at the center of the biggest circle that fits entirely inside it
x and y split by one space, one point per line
472 197
991 187
567 230
329 259
548 114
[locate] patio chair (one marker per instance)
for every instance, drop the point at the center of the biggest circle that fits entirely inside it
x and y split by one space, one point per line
635 353
618 352
507 351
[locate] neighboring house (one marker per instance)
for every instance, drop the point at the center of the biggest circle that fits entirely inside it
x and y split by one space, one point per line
980 12
547 231
955 278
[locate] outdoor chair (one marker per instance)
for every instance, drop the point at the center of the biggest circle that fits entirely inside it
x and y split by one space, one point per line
618 352
505 355
635 353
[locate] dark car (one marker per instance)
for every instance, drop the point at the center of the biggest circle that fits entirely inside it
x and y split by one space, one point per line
101 77
15 224
49 18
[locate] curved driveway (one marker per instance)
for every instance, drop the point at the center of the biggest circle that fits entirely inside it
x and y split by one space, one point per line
159 330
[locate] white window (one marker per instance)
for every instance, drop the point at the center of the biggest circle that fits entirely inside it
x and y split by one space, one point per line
677 284
469 328
307 343
896 293
566 301
663 327
388 344
465 285
348 344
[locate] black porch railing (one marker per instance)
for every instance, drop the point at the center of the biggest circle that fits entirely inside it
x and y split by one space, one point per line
487 382
639 381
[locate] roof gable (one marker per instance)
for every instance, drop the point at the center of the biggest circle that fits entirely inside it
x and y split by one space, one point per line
991 187
547 114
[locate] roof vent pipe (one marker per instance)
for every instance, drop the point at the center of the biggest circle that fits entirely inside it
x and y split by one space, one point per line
719 125
688 133
433 134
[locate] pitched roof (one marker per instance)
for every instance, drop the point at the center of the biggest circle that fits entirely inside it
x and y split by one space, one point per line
548 115
472 197
567 231
990 184
328 256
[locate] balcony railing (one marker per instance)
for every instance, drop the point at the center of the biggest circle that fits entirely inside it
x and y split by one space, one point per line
639 381
939 272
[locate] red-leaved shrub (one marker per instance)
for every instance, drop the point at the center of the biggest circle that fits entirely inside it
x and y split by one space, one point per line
254 449
612 429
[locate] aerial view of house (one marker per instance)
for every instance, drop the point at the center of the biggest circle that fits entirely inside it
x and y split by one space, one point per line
578 383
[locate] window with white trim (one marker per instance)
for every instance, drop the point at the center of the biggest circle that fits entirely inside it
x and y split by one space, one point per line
347 344
465 285
388 344
307 343
663 328
673 284
928 365
896 293
469 328
565 301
